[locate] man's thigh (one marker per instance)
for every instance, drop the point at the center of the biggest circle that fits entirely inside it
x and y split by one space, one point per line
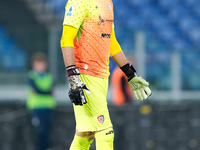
93 116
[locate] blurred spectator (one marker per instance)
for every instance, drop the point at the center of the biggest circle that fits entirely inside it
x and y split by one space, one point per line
40 100
121 91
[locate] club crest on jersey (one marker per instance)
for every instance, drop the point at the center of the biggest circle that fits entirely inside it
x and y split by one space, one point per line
110 7
69 12
100 118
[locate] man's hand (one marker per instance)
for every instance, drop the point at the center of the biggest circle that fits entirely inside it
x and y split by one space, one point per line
76 87
139 86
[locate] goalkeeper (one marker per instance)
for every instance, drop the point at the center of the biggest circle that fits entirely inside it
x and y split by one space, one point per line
87 42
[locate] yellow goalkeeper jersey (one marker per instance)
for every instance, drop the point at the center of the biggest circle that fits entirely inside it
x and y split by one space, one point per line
94 19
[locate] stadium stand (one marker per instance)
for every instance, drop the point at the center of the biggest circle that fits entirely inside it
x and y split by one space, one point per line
12 57
20 34
169 25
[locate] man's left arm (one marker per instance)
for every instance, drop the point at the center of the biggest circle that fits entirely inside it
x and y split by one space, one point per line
139 86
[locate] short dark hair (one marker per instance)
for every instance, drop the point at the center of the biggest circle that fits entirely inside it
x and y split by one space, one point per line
39 56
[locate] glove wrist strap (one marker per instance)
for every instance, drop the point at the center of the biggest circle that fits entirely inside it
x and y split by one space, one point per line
72 70
129 70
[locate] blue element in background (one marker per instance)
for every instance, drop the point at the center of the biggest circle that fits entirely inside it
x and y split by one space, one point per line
112 65
12 57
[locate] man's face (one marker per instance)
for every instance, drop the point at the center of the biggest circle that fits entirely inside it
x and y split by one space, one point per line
40 66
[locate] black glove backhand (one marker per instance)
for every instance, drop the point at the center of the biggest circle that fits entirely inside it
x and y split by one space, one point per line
76 96
76 87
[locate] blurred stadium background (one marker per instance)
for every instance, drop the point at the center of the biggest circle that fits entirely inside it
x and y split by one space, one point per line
163 37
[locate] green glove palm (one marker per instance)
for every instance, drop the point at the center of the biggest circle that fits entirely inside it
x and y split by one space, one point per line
140 88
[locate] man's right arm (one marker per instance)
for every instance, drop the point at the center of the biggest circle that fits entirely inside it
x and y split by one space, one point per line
68 56
76 86
74 16
67 45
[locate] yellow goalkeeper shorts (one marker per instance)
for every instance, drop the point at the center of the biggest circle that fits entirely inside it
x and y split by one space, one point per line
94 115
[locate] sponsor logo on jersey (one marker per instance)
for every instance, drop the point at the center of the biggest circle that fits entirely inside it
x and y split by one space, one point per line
100 118
69 12
101 20
134 85
110 132
105 35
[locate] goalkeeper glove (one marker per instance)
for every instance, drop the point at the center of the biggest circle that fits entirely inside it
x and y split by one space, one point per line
76 86
139 86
